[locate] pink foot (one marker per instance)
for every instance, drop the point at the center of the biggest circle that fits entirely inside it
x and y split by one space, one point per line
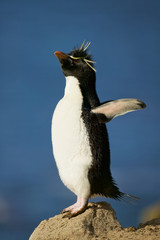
69 208
77 208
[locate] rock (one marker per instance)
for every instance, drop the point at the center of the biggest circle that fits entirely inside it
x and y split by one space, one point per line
152 222
98 222
150 212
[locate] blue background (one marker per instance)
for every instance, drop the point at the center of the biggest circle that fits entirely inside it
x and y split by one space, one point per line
125 38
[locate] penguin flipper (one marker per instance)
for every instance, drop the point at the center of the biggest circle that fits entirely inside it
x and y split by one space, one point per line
107 111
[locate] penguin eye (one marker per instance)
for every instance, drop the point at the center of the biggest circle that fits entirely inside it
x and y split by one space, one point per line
75 62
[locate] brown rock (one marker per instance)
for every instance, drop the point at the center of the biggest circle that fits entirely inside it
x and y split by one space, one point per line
97 222
150 212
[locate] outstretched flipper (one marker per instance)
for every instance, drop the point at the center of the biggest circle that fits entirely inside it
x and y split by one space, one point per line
107 111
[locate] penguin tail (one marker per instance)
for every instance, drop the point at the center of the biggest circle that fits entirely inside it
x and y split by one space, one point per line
125 197
129 198
116 194
112 191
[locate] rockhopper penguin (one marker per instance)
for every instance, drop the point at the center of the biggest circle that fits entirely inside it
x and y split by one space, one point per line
79 134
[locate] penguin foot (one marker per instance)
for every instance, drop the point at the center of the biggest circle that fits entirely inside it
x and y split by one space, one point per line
74 212
76 209
69 208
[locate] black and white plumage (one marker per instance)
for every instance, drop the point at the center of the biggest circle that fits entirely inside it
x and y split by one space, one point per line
79 134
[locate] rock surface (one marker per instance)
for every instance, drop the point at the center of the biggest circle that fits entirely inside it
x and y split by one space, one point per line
98 222
150 212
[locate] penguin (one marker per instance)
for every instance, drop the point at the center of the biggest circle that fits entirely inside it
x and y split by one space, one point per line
79 134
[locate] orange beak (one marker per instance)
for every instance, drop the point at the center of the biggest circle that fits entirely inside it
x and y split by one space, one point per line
60 55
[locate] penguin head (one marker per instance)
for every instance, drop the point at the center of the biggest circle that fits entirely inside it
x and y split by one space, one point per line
78 63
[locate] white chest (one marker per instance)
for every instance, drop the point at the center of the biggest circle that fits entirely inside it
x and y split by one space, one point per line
70 139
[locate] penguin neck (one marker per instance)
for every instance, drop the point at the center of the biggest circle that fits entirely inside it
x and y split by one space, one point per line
72 87
86 94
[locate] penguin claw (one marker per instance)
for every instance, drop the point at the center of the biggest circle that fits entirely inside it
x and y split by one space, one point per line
68 208
66 216
74 212
70 215
75 209
63 211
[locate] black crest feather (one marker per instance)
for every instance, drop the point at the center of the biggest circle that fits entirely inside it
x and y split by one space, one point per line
82 53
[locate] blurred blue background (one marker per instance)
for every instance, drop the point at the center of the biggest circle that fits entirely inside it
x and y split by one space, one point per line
125 38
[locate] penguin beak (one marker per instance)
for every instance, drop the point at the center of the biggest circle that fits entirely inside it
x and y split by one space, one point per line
61 56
